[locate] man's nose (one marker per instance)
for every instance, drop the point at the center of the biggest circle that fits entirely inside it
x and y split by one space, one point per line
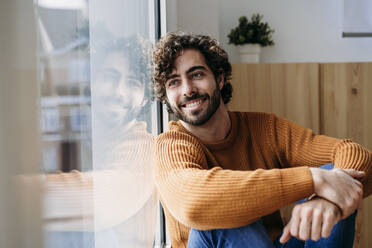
121 87
123 91
189 88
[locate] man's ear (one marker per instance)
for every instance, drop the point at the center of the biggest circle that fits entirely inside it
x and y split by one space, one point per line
144 102
221 80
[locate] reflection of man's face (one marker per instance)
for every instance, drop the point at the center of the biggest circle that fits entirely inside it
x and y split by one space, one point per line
119 93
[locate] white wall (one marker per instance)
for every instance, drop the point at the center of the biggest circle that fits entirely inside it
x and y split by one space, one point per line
196 16
305 31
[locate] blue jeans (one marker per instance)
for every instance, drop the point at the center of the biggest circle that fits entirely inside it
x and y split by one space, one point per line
255 236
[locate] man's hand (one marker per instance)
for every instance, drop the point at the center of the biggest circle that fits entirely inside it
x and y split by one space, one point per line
312 219
340 187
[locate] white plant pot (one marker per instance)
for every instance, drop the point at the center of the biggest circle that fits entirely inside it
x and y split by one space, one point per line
249 53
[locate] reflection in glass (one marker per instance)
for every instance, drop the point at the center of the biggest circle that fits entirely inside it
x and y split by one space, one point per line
96 130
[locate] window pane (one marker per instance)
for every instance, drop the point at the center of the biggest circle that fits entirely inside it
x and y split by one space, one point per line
97 122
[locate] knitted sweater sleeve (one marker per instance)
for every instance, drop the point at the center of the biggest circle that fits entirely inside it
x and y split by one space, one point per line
299 146
205 198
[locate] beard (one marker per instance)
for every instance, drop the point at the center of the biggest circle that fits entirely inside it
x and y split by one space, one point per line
113 116
198 118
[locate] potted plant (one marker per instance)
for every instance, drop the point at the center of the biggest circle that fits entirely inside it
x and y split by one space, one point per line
250 36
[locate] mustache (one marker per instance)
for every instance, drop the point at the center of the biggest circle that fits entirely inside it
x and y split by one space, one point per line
186 99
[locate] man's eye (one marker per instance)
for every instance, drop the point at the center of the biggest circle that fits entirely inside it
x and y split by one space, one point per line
111 76
197 75
134 83
172 83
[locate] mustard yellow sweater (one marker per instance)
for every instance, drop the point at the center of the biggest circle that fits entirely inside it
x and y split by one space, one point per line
260 167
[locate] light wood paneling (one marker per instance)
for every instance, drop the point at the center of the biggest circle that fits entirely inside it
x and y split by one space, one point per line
346 112
288 90
334 99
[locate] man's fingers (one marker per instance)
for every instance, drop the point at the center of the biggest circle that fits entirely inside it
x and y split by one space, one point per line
358 189
354 173
305 225
316 227
343 189
286 235
312 219
295 221
352 201
328 223
359 184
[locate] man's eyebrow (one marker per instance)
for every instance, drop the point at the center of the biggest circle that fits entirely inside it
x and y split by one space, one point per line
194 68
172 76
191 69
112 72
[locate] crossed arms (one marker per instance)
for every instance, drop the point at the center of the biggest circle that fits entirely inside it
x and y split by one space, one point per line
213 198
315 218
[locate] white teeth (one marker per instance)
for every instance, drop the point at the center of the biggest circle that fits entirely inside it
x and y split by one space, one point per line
190 105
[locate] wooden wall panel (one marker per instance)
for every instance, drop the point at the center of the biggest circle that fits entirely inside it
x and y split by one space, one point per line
288 90
346 112
334 99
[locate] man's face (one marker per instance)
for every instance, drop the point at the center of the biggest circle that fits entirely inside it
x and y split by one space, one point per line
121 95
192 91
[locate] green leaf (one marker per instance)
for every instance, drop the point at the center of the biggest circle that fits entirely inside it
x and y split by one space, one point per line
251 31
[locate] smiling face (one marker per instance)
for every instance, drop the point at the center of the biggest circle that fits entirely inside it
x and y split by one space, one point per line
120 94
191 89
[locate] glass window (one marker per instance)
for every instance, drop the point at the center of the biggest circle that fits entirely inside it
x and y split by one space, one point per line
97 122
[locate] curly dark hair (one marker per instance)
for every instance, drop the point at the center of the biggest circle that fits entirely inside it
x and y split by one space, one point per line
137 51
173 44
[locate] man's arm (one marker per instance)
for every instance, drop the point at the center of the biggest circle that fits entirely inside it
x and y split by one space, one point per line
217 198
350 155
298 146
90 201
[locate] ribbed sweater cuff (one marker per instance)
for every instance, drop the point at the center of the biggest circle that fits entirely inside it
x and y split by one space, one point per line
299 180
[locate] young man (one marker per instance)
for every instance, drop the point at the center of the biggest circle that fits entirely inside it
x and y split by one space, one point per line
226 174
